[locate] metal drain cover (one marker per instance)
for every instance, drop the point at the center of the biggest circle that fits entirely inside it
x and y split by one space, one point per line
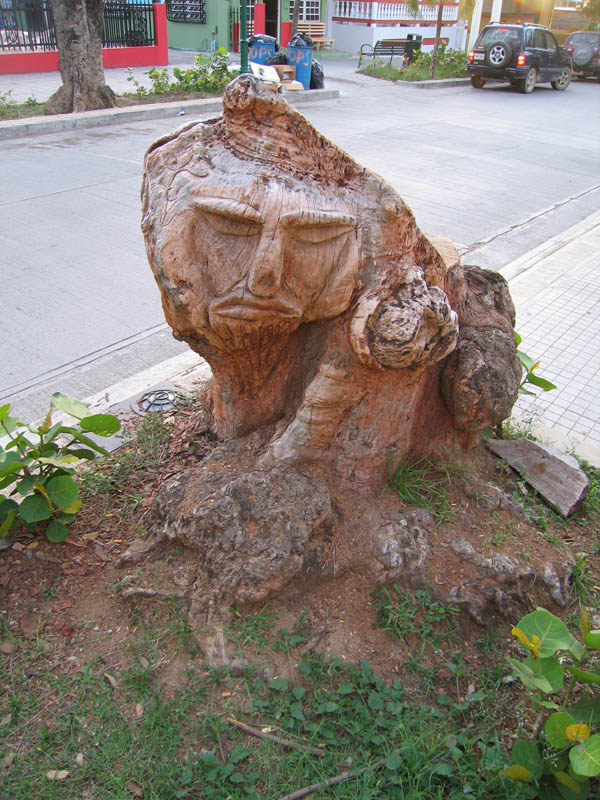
155 401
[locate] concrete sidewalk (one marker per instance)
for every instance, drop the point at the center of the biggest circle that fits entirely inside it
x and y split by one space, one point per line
556 292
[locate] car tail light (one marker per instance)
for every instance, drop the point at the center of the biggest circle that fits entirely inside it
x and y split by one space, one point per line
471 56
521 60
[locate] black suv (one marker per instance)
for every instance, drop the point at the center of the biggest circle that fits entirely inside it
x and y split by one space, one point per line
584 49
520 54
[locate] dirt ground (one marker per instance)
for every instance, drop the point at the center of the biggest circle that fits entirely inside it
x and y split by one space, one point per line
71 592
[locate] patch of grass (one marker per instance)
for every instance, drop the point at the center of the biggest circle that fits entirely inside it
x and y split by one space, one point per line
10 109
252 629
415 486
135 736
416 618
450 64
121 472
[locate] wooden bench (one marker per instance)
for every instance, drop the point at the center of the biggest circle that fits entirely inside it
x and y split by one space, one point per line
389 47
316 30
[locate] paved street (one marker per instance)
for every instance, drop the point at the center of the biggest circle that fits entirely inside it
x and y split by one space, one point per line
498 172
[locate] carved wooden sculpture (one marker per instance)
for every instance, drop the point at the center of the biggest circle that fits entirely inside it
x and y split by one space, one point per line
304 281
337 333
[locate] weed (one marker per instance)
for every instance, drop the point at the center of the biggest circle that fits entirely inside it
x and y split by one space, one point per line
148 449
414 486
50 592
529 368
420 616
6 99
252 628
581 580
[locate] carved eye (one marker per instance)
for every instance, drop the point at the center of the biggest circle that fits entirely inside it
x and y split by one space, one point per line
315 234
231 225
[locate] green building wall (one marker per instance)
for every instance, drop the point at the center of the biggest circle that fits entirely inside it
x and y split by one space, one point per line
191 36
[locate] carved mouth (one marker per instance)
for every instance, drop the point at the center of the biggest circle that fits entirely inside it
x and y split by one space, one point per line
240 308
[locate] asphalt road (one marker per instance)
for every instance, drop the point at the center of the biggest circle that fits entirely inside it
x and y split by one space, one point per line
496 171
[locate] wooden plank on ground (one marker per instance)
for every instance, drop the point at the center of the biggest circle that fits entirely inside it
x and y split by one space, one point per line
556 477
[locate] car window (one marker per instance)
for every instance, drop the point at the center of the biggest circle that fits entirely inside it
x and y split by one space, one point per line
551 42
539 39
506 35
529 38
583 38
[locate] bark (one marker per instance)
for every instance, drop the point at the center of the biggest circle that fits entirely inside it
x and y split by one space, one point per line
79 27
438 34
296 17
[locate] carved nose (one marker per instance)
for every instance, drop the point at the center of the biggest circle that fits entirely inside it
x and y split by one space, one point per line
265 273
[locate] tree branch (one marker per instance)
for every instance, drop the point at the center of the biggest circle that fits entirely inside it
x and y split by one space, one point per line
277 739
343 776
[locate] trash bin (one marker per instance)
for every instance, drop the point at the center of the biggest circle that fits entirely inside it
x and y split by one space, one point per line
260 48
413 45
301 58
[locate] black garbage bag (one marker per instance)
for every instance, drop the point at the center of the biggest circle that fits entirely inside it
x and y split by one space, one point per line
277 58
263 38
317 76
301 40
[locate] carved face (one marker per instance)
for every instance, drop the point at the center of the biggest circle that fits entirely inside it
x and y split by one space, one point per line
241 264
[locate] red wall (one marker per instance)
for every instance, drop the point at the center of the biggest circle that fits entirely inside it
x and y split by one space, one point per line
155 56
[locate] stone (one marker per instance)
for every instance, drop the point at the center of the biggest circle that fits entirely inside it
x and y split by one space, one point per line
559 480
304 281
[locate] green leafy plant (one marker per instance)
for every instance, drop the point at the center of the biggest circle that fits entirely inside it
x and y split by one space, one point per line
6 99
204 77
563 752
530 366
36 466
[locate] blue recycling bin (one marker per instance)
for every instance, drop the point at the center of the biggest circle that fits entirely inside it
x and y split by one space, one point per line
259 52
301 58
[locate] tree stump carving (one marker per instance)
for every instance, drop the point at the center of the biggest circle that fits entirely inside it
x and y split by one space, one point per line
334 327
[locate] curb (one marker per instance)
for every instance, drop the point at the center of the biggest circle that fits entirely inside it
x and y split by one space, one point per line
36 126
436 83
521 265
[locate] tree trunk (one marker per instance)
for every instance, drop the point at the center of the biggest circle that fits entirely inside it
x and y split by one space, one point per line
296 17
438 33
79 27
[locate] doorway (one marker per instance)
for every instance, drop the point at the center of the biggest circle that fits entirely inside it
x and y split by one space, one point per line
271 27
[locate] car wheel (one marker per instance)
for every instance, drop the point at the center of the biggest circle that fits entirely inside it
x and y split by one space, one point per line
528 84
498 55
563 80
582 54
477 82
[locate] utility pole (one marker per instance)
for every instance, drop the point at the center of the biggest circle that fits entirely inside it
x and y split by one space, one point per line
244 36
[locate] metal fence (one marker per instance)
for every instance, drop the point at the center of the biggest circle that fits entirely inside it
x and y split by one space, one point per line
128 24
28 25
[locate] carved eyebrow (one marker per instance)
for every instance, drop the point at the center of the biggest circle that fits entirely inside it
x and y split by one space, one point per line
305 219
228 208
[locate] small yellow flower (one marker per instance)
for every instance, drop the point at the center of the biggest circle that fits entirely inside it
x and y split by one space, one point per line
578 732
532 644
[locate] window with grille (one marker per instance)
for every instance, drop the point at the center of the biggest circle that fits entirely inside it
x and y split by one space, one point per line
310 10
186 11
